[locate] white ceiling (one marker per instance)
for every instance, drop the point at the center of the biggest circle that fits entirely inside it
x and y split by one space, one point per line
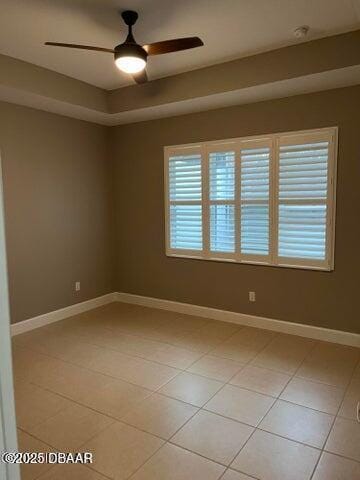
229 29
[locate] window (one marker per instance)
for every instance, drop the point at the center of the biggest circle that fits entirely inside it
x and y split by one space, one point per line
268 200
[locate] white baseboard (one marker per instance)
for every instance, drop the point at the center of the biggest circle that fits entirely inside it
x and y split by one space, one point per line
56 315
309 331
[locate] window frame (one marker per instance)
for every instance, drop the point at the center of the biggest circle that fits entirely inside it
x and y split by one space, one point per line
274 141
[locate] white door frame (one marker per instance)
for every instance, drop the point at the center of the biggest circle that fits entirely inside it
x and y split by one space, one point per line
8 438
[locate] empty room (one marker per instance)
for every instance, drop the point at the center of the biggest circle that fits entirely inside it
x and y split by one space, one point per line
179 240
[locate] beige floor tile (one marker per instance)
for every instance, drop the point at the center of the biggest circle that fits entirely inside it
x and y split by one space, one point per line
298 423
35 405
168 334
198 341
27 338
254 337
184 321
70 428
27 443
111 360
160 415
131 344
67 347
220 330
191 388
116 399
221 369
41 365
143 328
344 439
171 332
330 363
174 463
70 380
135 370
85 330
329 373
233 350
83 354
213 436
71 472
233 475
175 356
269 457
285 354
336 352
239 404
325 398
120 450
261 380
352 398
332 467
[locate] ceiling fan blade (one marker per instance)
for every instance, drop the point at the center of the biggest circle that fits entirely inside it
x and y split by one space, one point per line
140 77
82 47
174 45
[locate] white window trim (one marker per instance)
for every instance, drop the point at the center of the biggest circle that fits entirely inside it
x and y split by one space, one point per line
234 144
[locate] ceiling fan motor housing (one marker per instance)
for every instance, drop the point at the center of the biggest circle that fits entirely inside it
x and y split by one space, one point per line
129 17
128 49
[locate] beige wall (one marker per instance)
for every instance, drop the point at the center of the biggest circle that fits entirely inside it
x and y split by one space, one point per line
64 224
58 207
325 299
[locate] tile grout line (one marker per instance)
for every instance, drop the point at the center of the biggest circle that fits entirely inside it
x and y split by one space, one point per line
277 399
333 423
226 383
208 352
55 465
164 442
255 428
168 440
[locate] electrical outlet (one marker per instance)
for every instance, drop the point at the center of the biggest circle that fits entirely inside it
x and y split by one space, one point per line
77 286
252 297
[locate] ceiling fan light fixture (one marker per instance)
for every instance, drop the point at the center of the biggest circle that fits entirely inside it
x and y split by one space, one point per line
130 64
130 58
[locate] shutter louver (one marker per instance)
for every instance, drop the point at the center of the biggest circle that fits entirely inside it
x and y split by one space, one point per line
303 180
255 229
185 177
222 228
222 189
302 231
303 171
186 227
222 176
185 191
255 186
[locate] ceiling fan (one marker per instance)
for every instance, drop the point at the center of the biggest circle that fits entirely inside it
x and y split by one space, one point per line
130 57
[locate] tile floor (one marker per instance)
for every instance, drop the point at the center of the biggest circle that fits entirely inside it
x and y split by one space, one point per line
156 395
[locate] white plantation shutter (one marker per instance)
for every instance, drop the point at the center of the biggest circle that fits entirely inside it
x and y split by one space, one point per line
304 206
302 231
255 196
185 177
267 200
222 201
186 227
185 193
